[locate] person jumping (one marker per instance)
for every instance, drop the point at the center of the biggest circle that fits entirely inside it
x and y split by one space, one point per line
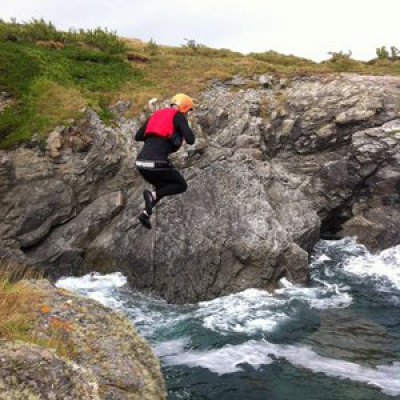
163 133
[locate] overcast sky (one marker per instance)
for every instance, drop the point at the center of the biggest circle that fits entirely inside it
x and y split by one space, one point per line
307 28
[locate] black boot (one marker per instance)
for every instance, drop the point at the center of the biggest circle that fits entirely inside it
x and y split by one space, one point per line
145 220
149 201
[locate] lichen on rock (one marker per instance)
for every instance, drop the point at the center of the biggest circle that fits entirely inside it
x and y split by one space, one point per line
105 356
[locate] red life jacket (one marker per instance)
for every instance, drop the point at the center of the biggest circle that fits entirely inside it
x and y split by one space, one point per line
161 123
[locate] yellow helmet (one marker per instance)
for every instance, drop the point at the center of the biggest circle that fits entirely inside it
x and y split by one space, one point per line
183 101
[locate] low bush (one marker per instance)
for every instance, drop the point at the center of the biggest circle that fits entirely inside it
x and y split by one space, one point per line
39 30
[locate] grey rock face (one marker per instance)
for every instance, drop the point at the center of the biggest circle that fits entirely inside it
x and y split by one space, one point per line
376 210
275 165
29 371
75 183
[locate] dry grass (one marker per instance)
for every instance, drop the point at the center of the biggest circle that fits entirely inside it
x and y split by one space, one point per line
134 42
21 307
51 85
18 303
12 273
61 102
172 70
169 70
56 103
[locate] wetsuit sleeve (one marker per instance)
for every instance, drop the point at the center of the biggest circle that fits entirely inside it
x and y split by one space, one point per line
139 137
181 125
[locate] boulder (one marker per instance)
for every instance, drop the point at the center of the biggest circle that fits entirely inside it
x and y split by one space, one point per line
103 356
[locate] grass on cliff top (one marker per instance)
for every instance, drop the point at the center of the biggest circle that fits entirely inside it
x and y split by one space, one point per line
20 307
50 86
168 70
53 75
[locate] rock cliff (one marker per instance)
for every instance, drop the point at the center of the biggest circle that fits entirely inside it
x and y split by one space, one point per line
106 358
277 164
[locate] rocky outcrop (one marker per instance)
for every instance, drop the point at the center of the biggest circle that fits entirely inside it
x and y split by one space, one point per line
103 356
277 164
74 182
375 210
30 371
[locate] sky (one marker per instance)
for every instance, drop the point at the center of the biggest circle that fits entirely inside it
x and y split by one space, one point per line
305 28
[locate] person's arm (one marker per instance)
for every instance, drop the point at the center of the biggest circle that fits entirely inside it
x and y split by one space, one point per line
181 124
139 137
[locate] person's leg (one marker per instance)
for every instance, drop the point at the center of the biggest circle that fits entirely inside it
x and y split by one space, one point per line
149 177
152 177
166 182
169 182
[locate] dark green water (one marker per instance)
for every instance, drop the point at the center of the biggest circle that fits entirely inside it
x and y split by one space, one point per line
338 338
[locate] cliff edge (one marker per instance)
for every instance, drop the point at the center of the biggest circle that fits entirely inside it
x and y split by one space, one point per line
277 164
98 355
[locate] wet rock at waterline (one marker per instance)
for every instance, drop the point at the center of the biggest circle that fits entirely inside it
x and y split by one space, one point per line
275 166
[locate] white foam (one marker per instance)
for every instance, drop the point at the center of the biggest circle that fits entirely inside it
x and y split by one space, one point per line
222 361
322 258
348 245
249 311
171 347
92 281
97 287
256 353
147 313
321 298
254 310
383 268
149 320
285 283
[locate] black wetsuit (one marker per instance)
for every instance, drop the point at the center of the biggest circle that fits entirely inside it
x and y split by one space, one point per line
165 178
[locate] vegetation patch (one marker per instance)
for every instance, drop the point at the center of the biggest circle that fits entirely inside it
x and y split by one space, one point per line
42 32
21 307
18 304
51 86
272 57
96 68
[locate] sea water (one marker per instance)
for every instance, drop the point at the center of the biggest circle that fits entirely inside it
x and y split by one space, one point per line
337 338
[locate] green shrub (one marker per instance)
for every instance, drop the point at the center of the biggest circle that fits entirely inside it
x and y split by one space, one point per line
193 45
342 62
17 68
382 53
339 56
103 110
95 56
40 30
11 121
99 38
33 31
152 47
394 53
